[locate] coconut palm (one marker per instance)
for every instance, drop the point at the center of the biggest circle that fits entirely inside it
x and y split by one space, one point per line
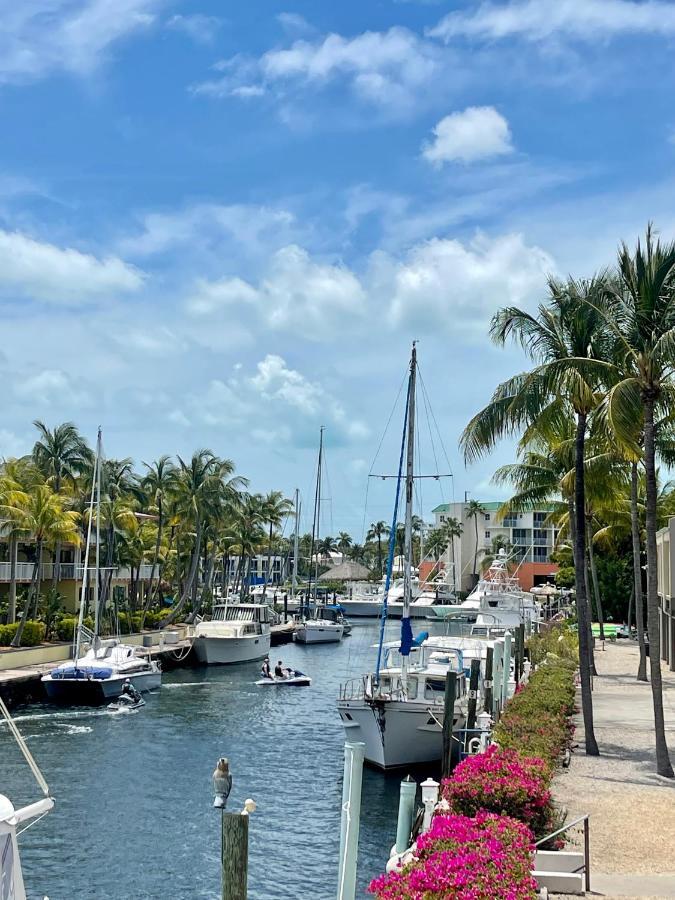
44 518
16 480
640 313
473 511
437 543
567 341
452 529
376 532
344 542
275 508
158 482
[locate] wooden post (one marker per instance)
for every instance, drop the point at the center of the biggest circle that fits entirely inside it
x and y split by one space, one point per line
234 855
473 698
487 682
285 607
448 721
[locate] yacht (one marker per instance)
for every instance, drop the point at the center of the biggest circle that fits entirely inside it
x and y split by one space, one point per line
321 625
237 633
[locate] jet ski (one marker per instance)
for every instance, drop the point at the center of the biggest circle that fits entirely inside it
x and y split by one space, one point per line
125 703
294 678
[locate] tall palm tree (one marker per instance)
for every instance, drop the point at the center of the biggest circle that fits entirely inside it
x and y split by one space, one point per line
473 511
17 478
376 532
344 542
566 340
44 518
452 529
60 454
158 482
275 508
640 313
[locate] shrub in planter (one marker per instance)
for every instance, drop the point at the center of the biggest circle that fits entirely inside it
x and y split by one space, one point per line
33 634
487 857
65 628
503 782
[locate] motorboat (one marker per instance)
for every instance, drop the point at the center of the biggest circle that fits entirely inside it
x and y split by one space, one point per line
296 679
99 675
236 633
323 624
399 714
125 703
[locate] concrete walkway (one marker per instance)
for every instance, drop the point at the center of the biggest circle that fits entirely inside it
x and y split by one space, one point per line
632 809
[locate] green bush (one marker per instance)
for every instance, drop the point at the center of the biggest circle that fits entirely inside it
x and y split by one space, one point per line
65 628
33 634
557 640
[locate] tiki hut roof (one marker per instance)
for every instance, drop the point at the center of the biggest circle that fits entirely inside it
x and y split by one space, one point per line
346 571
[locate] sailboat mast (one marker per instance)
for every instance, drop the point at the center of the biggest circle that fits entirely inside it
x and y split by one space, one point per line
85 571
98 537
409 483
294 583
316 520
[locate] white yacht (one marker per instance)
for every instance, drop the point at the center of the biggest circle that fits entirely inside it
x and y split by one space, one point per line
237 633
322 625
399 715
98 675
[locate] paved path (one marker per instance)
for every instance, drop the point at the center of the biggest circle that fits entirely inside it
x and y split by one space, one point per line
632 809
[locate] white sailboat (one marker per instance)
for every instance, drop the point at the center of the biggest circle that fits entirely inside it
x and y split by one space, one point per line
398 710
98 675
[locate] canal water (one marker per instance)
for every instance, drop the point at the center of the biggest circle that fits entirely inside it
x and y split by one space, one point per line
134 816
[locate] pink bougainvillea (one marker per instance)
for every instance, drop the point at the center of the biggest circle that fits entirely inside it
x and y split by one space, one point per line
487 857
504 782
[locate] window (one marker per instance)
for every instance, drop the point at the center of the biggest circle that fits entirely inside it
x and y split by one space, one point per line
540 537
540 554
487 535
487 517
539 518
521 536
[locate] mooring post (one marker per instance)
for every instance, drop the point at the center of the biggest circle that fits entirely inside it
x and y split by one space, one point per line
496 678
285 607
473 699
506 663
448 721
487 681
406 810
521 650
234 855
429 799
351 815
516 654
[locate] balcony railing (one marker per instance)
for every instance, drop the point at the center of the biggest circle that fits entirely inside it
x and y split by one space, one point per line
68 571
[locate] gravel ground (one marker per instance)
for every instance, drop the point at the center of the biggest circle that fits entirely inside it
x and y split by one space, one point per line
632 809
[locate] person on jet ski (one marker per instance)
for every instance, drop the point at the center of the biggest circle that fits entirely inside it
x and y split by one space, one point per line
265 669
128 690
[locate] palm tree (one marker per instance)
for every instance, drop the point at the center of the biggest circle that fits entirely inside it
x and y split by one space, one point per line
344 542
567 341
325 547
17 479
44 518
473 510
437 543
158 482
60 455
275 508
640 313
452 529
376 532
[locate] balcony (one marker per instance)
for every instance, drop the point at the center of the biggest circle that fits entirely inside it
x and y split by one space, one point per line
510 522
24 572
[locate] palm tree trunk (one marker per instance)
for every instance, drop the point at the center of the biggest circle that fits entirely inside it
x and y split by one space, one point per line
589 600
155 559
596 585
475 550
13 556
269 561
379 553
580 579
38 581
16 640
630 607
637 573
663 766
194 562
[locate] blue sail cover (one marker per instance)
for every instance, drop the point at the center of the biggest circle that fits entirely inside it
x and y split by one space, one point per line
99 672
406 636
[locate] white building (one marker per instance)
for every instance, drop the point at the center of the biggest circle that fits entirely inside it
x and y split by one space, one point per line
527 533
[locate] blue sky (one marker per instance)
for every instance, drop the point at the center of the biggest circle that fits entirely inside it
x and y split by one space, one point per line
222 224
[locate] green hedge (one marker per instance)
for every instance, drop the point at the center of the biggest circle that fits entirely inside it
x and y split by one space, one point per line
33 634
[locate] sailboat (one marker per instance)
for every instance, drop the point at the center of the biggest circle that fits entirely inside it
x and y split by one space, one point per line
398 710
321 624
98 675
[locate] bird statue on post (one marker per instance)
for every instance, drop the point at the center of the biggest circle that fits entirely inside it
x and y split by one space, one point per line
222 783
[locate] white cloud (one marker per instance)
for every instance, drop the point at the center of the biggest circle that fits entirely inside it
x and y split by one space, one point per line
445 285
478 132
55 275
534 20
40 36
200 28
384 68
210 296
49 386
294 23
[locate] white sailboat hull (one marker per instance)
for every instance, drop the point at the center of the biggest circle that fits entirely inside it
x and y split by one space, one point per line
313 632
99 690
396 732
362 608
223 651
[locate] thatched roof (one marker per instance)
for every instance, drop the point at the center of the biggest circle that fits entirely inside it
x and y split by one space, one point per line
346 571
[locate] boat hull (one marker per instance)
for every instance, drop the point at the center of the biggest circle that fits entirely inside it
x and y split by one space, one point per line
396 733
95 691
311 633
362 608
226 651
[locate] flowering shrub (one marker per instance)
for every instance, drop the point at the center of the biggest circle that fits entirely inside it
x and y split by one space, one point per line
502 781
536 720
487 857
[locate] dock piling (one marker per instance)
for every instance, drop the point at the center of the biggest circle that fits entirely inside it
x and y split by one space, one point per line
429 799
406 810
234 855
487 681
506 664
497 677
473 697
351 815
448 722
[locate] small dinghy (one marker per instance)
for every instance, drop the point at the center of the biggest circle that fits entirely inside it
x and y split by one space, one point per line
126 704
296 679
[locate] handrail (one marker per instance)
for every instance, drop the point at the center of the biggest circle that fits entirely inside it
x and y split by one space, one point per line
587 845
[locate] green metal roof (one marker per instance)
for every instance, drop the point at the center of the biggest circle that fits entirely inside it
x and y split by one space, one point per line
491 506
